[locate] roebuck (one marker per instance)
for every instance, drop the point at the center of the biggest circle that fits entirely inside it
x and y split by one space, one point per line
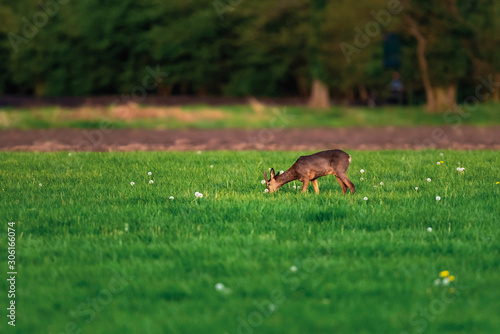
310 167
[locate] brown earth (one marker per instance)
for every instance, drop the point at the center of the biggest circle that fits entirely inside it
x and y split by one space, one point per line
463 138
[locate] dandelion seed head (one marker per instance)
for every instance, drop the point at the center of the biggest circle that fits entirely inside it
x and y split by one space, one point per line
132 183
438 198
149 173
151 181
365 198
429 229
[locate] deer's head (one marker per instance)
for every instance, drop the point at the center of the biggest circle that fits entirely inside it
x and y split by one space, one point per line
271 184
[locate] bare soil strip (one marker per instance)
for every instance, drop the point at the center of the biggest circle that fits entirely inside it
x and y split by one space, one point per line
462 138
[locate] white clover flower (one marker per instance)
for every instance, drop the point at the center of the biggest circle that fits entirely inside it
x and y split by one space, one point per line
437 282
266 190
132 183
361 179
446 281
199 195
69 154
219 287
293 269
362 171
365 198
171 197
282 171
199 152
416 188
263 181
429 179
40 184
211 166
458 168
429 229
149 173
151 181
441 154
294 187
438 163
381 183
438 198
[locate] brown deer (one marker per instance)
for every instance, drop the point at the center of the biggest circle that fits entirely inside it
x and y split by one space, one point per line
309 168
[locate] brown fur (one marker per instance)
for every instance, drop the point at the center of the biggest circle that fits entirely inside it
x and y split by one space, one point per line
310 167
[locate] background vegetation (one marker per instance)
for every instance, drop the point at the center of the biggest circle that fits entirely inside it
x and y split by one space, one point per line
233 48
238 117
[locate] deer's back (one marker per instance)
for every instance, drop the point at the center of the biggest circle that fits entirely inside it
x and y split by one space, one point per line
323 163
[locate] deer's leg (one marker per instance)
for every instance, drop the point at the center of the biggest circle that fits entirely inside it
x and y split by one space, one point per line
342 184
315 185
304 186
348 182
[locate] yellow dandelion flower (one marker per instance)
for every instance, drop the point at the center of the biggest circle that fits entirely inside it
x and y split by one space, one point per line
442 162
451 278
497 182
444 273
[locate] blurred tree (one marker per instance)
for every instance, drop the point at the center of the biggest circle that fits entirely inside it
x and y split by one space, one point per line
481 40
312 48
438 39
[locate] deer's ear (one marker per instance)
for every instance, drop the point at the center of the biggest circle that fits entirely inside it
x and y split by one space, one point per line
272 173
265 176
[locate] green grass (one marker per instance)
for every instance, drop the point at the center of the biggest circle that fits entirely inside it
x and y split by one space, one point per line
147 264
241 117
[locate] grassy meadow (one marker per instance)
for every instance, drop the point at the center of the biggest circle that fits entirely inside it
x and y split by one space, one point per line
96 254
239 116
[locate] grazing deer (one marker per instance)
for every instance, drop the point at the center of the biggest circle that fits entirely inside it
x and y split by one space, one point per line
310 167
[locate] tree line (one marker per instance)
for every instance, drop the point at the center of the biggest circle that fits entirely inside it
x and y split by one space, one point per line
443 50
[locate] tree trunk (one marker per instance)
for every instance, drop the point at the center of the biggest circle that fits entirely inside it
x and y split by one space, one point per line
319 95
363 94
445 97
431 105
496 90
39 88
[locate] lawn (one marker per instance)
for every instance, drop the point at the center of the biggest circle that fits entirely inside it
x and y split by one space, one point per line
98 255
240 116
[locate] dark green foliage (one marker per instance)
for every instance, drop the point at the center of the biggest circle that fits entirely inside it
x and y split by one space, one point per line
236 47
